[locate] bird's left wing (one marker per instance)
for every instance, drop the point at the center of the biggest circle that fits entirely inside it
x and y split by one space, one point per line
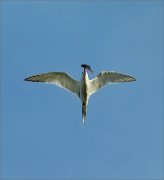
60 79
107 77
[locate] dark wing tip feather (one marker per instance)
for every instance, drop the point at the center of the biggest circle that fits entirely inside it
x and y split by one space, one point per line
27 79
33 79
132 78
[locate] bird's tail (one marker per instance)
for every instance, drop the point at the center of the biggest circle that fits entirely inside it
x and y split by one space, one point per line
84 112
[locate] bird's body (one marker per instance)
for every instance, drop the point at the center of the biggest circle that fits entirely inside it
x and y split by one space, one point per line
84 94
83 88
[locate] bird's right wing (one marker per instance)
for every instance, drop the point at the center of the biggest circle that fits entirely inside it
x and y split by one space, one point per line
106 77
60 79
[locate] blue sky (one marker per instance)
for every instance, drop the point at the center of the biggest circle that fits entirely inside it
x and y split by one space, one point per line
41 126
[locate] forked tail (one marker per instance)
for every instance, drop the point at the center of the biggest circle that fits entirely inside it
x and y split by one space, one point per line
84 111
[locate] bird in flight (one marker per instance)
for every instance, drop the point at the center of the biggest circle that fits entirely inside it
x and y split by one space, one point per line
85 87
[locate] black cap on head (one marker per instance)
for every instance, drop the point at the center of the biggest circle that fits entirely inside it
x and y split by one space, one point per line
86 66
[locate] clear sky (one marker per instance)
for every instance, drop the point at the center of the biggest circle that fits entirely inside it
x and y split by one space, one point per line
42 135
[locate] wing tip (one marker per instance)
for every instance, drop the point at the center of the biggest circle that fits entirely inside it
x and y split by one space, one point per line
26 79
134 79
32 80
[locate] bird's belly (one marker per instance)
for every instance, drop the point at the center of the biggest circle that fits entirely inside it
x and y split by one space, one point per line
84 94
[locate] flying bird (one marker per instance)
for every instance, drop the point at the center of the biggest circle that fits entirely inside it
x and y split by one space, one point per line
85 87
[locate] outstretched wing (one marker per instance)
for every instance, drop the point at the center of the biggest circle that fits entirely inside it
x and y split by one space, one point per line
106 77
60 79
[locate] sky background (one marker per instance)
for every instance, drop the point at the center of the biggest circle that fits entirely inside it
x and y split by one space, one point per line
42 136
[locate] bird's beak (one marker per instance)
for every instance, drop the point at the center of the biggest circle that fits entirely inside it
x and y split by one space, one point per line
91 70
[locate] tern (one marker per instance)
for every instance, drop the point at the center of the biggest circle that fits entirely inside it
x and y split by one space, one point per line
85 87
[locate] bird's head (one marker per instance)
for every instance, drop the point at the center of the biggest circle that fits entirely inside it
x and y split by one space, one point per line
86 67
